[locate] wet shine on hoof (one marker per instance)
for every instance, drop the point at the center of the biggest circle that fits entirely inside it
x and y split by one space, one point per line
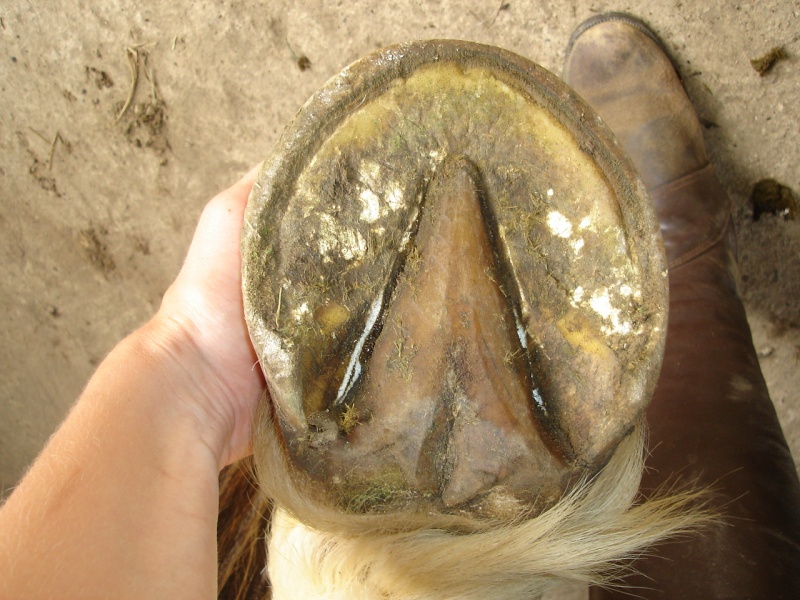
454 282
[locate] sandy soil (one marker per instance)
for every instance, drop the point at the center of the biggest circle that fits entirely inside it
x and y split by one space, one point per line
96 212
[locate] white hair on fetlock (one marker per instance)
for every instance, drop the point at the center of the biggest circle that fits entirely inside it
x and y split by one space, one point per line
589 536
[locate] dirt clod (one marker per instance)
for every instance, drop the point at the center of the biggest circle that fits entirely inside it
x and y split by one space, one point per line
771 197
145 127
143 122
38 171
100 78
764 64
142 245
303 63
96 250
349 418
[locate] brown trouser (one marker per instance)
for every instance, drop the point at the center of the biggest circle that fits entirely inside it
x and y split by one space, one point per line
712 422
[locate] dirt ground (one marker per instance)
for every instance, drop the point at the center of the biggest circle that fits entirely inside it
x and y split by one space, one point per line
98 204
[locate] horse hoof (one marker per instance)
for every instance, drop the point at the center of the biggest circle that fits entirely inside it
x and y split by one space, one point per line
455 284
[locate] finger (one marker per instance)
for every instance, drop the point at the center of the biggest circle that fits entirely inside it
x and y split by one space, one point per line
241 189
218 232
249 177
225 211
234 199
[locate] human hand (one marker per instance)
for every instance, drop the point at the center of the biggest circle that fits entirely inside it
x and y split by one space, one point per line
201 325
168 407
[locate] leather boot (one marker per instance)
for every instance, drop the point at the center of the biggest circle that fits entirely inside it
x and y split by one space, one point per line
711 421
